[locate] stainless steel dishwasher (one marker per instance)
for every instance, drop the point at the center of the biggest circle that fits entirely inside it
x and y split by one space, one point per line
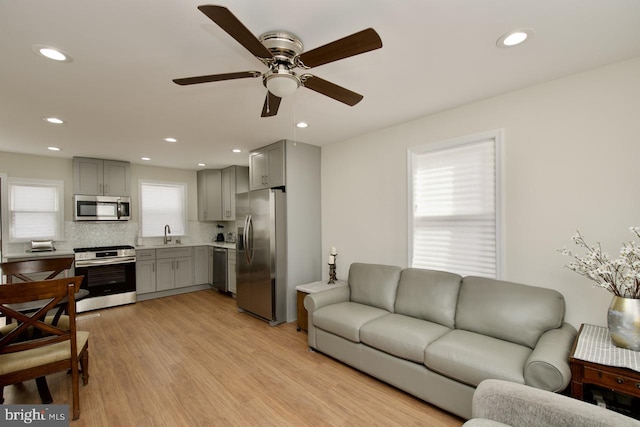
219 270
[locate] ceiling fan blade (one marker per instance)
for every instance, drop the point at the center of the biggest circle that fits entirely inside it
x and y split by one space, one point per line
271 105
216 77
331 90
355 44
232 25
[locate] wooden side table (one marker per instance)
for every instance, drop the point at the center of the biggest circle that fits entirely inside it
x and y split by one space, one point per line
614 378
311 288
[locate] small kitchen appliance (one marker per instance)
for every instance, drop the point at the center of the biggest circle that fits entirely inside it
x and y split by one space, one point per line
220 235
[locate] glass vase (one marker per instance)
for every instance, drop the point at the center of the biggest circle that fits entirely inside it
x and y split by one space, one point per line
623 319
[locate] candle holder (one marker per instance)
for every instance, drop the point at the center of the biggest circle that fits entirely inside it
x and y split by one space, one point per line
332 271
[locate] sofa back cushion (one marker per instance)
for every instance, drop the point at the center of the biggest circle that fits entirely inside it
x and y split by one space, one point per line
374 284
508 311
428 294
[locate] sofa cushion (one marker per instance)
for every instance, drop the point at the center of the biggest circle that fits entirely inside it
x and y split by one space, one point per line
346 318
401 336
508 311
374 284
470 358
428 294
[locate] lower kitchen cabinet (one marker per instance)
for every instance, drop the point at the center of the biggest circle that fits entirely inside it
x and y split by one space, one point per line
201 265
174 268
231 270
145 271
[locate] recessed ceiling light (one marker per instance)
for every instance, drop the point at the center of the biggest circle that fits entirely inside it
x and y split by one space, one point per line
53 120
52 53
201 164
237 150
302 125
145 158
53 148
514 38
171 140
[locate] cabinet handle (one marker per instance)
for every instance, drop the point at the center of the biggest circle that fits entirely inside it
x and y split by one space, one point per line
100 189
619 380
638 386
106 189
153 267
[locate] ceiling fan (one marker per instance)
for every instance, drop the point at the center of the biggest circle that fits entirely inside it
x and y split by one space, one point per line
282 52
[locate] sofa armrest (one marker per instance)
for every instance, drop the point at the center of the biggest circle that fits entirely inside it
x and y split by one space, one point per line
312 302
519 405
548 365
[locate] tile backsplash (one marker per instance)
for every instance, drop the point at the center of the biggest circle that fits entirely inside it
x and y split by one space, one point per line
89 234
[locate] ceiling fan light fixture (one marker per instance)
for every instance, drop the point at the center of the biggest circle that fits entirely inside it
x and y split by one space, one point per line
282 84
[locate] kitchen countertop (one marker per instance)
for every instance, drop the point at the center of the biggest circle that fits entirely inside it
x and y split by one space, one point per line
179 245
15 256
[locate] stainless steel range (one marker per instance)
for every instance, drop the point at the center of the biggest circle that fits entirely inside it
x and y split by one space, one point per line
109 276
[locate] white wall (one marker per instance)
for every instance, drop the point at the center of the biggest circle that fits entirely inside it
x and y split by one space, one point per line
571 161
44 167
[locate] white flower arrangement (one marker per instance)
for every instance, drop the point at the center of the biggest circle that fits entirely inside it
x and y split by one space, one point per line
620 276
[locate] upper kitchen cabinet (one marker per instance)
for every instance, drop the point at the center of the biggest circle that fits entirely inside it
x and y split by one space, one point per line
99 177
267 166
235 179
210 195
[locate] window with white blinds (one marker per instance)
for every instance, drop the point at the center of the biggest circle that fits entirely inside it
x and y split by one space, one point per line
163 203
454 201
36 210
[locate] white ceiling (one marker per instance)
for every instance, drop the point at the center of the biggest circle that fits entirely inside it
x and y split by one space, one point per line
119 102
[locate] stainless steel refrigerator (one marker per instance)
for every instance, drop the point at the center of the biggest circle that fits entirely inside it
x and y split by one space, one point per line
261 254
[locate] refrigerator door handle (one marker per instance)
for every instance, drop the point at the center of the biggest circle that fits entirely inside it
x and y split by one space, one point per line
245 239
249 234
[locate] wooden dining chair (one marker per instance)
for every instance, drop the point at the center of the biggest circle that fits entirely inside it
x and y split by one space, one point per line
24 270
50 348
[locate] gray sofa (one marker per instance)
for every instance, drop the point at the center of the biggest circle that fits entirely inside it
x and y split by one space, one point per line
437 335
499 403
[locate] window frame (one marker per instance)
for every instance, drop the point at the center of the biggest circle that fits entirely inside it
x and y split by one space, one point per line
497 135
185 217
59 220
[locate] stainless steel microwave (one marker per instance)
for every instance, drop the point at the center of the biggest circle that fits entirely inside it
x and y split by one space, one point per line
101 208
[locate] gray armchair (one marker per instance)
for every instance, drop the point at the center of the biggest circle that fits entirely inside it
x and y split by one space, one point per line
500 403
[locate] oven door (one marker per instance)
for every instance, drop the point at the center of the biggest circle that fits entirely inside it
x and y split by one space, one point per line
104 277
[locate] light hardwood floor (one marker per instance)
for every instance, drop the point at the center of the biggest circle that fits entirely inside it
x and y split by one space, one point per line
194 360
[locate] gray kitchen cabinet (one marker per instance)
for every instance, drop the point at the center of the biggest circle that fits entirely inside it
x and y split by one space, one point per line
267 167
98 177
210 265
184 272
235 179
174 268
231 270
201 265
145 271
209 195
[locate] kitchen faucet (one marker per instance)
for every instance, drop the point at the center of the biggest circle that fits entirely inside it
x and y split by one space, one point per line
167 230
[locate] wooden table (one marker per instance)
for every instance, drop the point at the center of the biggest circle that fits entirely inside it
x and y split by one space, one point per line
311 288
617 379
